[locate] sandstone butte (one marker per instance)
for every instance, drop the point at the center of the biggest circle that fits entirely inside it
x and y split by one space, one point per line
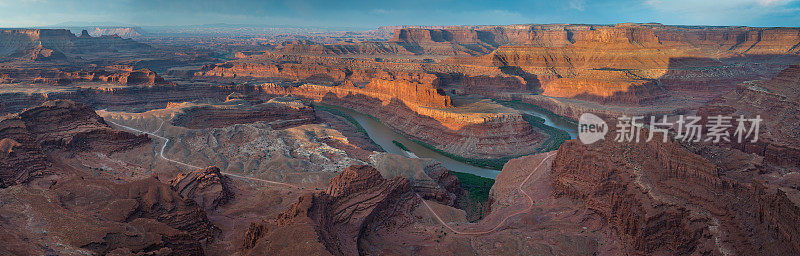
17 41
54 52
627 65
620 64
479 130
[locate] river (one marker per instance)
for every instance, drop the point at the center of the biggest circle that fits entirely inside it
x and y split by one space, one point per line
383 136
550 119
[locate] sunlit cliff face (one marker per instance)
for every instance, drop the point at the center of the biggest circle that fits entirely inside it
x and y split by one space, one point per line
603 61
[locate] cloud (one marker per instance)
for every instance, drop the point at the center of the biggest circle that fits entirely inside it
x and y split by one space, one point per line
720 12
716 4
773 2
579 5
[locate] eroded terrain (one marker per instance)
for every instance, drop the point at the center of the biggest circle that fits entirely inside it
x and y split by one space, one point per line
162 146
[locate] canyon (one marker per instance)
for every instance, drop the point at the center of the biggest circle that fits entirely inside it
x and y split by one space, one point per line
223 140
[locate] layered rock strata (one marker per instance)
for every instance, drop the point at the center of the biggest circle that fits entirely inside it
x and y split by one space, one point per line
478 130
281 113
99 217
207 187
59 124
660 198
54 76
77 209
428 177
776 102
16 42
356 201
418 88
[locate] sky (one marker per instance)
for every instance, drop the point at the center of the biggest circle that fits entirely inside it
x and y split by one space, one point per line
374 13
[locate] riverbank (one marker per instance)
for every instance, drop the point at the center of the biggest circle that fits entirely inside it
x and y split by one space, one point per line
557 128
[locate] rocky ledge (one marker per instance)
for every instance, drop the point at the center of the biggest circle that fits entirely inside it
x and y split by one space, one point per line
660 198
279 113
356 201
480 129
55 125
207 187
75 209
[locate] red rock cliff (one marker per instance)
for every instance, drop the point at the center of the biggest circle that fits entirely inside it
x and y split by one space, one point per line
356 200
59 124
659 198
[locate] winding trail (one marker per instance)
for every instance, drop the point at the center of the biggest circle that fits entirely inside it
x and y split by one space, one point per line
495 228
499 224
164 146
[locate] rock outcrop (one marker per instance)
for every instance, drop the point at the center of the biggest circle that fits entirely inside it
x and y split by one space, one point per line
59 124
17 42
207 187
478 130
621 191
778 209
40 53
428 177
660 198
80 211
776 102
111 74
96 216
355 202
417 88
279 113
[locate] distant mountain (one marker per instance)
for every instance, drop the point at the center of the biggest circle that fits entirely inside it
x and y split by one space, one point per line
53 44
124 32
88 24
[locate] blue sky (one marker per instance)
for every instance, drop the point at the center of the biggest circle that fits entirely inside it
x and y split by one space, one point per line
374 13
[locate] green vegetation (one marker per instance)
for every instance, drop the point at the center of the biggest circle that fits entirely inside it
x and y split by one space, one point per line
342 114
547 112
347 117
555 136
478 187
400 145
496 164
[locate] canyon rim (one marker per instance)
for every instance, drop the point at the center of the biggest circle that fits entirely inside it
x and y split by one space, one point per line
400 128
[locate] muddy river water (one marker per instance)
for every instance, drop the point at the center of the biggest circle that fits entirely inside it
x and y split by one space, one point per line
383 136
